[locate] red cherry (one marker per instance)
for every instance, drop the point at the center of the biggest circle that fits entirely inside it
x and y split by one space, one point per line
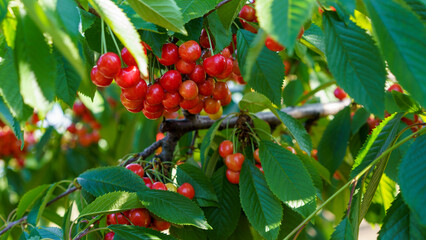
171 80
161 225
137 92
228 69
171 100
198 75
79 108
169 54
109 236
152 115
226 148
128 57
273 45
340 94
95 136
256 155
147 182
333 9
98 79
227 100
220 90
197 109
109 64
234 161
287 66
118 218
159 186
186 190
189 103
128 77
170 112
204 39
226 52
190 51
248 13
395 87
236 68
146 46
214 65
72 129
211 106
140 217
155 94
260 168
152 108
188 90
233 177
136 168
131 104
248 27
302 30
207 87
185 67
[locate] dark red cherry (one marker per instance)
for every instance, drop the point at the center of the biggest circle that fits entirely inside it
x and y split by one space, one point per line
155 94
184 67
228 69
109 64
98 79
171 80
190 51
128 77
198 75
214 65
171 100
169 54
137 92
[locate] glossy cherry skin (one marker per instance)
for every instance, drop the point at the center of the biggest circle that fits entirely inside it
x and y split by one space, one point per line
190 51
152 115
226 148
247 26
109 236
128 58
273 45
234 161
79 108
198 75
260 168
256 155
159 186
188 90
287 66
152 108
169 54
189 103
171 81
140 217
204 39
155 94
220 90
228 69
185 67
98 79
227 100
214 65
226 52
186 190
117 218
248 13
136 168
395 87
171 100
137 92
197 109
128 77
340 94
131 104
211 106
217 115
236 68
147 182
109 64
233 177
207 87
161 225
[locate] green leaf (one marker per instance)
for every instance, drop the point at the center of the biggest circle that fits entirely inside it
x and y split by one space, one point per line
7 118
47 19
406 103
286 175
9 88
261 128
154 40
401 39
173 207
222 36
110 179
297 130
282 20
267 74
355 62
124 29
418 7
34 60
379 140
188 232
262 208
3 9
359 119
290 221
137 21
193 28
53 233
30 198
254 102
343 231
67 80
332 147
400 223
412 171
187 173
223 219
124 232
37 211
313 38
191 9
229 11
164 13
385 192
111 202
206 144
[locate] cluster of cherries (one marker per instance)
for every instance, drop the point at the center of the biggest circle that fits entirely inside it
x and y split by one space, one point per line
87 133
141 216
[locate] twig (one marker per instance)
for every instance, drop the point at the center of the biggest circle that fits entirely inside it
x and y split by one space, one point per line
351 197
145 153
298 232
191 147
83 233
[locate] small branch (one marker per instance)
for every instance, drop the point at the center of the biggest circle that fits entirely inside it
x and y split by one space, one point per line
298 232
217 6
83 233
12 224
145 153
191 147
351 198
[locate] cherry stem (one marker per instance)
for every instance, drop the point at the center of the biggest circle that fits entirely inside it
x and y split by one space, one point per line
210 42
103 41
116 44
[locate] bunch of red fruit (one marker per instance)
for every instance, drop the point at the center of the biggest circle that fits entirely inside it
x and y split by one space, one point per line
10 146
87 133
233 161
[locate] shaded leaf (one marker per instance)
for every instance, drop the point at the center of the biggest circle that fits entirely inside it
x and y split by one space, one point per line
187 173
124 232
191 9
343 231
